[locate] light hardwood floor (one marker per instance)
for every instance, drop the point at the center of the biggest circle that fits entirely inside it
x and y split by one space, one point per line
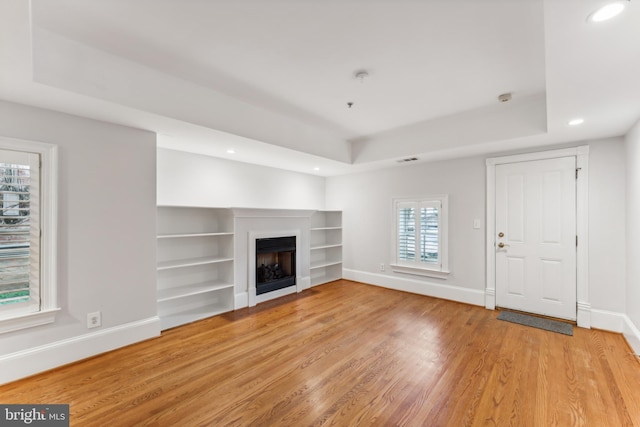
349 354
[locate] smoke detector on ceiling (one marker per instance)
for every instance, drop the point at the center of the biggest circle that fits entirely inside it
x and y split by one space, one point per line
361 75
504 97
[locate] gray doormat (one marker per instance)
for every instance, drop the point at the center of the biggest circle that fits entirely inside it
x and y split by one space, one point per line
537 322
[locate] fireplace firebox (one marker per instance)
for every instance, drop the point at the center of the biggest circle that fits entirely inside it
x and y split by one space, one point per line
275 263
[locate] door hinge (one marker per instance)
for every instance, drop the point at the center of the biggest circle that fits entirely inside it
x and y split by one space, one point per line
576 241
577 170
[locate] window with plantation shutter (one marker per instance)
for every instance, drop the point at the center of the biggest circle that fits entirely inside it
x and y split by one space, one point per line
27 275
19 232
421 235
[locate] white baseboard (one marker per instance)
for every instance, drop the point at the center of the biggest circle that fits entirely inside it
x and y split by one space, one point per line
14 366
632 334
583 315
490 298
304 282
438 290
611 321
617 322
241 300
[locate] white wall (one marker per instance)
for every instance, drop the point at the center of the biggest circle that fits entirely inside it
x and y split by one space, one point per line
106 239
607 250
196 180
366 200
632 154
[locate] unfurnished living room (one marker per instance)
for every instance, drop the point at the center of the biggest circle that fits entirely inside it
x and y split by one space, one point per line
313 213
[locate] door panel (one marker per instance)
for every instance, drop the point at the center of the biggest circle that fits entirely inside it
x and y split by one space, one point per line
515 200
551 280
551 199
536 214
515 276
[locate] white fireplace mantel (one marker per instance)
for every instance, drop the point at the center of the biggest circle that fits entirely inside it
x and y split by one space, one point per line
272 213
257 223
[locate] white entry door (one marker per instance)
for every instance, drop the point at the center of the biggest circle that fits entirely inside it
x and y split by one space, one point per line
536 237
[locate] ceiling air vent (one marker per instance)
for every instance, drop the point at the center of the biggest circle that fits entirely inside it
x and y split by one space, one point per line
408 159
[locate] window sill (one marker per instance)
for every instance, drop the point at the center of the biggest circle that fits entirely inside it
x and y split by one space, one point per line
440 274
28 320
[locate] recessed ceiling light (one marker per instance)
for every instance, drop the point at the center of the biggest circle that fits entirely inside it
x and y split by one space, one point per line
231 151
607 11
576 122
316 168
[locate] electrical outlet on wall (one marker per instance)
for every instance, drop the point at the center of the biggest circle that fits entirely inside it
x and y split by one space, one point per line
382 266
94 319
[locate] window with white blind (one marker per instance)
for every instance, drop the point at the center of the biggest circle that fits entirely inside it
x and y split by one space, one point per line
27 264
421 235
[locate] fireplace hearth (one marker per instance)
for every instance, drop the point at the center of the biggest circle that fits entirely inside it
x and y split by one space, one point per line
275 263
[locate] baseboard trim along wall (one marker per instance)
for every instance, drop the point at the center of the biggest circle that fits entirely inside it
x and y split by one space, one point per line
34 360
431 289
632 334
617 322
241 300
607 320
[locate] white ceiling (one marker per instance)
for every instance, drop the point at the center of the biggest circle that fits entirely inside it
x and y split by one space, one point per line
272 78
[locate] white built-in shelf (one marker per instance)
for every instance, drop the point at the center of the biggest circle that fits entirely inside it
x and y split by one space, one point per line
189 290
195 263
326 247
165 265
335 245
325 264
184 235
326 273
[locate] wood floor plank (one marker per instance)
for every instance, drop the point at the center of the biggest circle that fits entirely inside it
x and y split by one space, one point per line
350 354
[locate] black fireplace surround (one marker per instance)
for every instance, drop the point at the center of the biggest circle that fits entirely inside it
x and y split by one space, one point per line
275 263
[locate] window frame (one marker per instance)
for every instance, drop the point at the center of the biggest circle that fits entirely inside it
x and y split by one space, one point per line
48 238
416 267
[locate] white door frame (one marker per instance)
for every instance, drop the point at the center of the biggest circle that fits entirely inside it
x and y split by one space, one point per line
581 154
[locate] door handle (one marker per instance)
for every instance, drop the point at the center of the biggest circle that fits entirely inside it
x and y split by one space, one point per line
501 245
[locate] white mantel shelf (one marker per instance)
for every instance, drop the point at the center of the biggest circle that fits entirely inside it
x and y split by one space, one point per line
271 213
